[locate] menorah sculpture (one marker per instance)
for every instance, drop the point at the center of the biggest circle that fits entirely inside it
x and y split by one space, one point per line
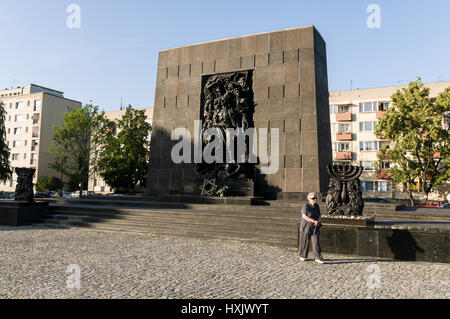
344 194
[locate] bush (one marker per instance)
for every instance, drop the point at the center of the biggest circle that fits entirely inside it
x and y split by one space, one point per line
48 184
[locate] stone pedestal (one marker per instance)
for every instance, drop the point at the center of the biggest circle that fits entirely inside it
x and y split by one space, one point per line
17 213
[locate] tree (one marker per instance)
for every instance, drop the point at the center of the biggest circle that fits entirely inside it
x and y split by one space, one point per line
5 169
123 158
48 183
73 143
416 127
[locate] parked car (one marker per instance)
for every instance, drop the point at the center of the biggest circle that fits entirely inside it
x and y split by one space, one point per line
429 203
376 200
446 205
41 195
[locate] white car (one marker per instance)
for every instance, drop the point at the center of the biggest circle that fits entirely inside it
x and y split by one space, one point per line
446 205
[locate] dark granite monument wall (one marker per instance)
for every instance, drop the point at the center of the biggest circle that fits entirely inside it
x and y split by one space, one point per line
290 93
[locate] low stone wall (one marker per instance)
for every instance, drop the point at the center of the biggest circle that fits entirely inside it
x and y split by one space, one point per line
430 245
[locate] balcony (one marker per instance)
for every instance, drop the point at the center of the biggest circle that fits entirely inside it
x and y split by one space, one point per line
347 116
380 114
384 174
343 155
344 136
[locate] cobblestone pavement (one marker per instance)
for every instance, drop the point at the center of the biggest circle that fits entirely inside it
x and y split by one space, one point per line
35 263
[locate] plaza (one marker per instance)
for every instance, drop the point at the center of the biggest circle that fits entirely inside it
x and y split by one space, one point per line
36 264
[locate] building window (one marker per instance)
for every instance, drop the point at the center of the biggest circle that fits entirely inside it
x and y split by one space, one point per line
385 165
368 146
368 165
37 105
344 128
19 105
341 147
368 107
334 127
384 106
376 186
367 126
343 108
17 130
16 144
15 157
18 118
333 109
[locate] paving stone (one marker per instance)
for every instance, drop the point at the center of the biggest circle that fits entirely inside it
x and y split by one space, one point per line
34 262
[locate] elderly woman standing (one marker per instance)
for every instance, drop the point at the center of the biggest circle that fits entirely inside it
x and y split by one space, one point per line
310 229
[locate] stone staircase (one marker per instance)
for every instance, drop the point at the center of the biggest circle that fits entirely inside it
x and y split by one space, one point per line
268 225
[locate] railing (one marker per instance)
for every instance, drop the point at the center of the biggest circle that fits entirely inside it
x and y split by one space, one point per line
343 155
347 116
344 136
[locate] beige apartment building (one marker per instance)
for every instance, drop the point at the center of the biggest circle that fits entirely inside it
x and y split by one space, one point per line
353 116
31 113
96 183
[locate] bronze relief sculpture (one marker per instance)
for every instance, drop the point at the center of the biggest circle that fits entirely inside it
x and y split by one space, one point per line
227 103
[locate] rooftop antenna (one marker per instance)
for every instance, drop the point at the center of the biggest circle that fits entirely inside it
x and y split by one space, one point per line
121 103
351 84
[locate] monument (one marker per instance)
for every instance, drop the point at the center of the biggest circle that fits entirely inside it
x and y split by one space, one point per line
23 209
271 86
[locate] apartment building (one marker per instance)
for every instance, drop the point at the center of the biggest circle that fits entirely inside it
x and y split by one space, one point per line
31 113
96 183
353 116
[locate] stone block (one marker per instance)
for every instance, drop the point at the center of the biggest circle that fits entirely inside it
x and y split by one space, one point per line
294 180
309 142
262 60
292 125
234 48
306 37
310 180
276 91
248 62
291 90
276 58
293 144
346 241
261 77
291 39
248 45
293 161
276 42
276 75
292 107
292 72
262 43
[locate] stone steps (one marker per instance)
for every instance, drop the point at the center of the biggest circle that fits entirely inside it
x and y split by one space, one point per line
191 217
263 227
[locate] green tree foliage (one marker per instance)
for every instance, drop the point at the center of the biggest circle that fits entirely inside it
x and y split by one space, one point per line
48 183
74 141
5 169
123 158
417 127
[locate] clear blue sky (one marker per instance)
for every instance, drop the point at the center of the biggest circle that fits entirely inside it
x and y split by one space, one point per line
115 51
